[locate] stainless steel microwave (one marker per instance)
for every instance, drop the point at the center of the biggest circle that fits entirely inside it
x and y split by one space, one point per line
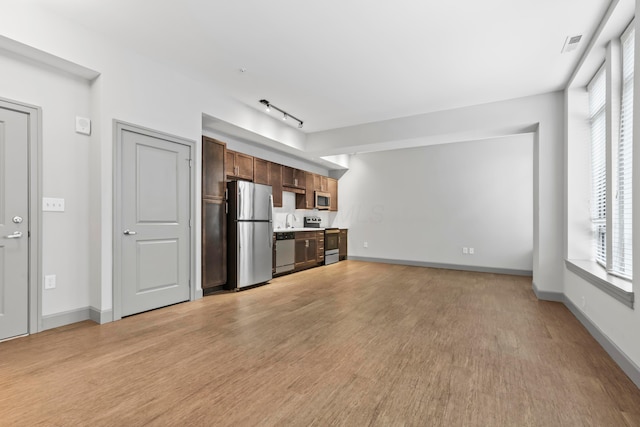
322 200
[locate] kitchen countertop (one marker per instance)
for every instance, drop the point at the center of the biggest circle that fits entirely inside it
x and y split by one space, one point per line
283 230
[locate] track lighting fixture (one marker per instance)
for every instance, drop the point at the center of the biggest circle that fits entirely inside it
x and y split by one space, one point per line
285 115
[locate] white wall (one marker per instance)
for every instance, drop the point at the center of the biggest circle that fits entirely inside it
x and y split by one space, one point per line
541 114
65 172
426 204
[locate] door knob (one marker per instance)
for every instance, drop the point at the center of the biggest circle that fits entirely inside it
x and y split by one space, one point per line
129 232
15 235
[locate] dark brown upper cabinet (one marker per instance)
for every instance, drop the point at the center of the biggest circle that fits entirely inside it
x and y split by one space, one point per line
320 183
333 191
213 175
261 171
307 200
275 179
293 178
238 165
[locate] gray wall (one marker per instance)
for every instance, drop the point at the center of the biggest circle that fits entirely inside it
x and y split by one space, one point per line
426 204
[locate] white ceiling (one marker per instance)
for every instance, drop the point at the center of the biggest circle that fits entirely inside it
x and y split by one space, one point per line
336 63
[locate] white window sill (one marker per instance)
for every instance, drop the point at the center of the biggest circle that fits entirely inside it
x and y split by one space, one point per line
593 273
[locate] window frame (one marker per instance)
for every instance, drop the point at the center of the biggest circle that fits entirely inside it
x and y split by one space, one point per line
587 268
621 264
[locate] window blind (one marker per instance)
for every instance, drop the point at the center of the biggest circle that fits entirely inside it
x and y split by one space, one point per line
622 263
597 119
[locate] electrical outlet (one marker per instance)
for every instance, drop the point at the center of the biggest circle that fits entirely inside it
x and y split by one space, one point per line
465 250
50 281
471 251
366 244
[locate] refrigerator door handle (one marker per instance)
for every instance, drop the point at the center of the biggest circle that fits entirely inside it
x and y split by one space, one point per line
270 228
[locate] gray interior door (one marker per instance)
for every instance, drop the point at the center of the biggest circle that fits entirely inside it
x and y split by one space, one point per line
155 209
14 223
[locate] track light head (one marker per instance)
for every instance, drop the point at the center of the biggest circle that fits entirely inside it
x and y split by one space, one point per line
300 125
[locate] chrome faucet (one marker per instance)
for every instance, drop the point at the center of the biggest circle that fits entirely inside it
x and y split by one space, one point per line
287 224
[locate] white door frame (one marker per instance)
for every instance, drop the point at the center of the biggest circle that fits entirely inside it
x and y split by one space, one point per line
118 128
35 209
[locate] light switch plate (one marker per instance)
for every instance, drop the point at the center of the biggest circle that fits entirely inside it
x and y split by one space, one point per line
50 204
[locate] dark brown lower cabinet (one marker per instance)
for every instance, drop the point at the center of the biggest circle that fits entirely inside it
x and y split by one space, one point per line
214 244
306 250
320 247
342 244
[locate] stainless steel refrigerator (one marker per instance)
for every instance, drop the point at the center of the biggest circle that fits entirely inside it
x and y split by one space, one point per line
250 234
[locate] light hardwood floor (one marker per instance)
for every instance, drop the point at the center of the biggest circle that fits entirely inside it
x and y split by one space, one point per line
349 344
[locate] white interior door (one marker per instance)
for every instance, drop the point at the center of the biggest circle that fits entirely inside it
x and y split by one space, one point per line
155 212
14 223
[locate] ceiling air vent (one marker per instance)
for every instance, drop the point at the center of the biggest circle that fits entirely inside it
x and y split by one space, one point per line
571 43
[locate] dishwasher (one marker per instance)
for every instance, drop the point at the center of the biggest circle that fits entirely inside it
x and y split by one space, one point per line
285 251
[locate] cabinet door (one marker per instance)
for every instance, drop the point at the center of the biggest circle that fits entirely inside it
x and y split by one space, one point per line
230 163
332 185
320 183
275 179
306 249
213 173
214 243
306 201
260 171
287 176
310 191
312 251
301 252
300 178
342 244
244 166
